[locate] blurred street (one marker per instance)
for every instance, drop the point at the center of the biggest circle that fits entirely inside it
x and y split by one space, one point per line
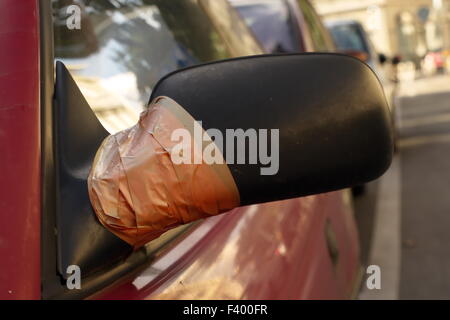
425 166
414 253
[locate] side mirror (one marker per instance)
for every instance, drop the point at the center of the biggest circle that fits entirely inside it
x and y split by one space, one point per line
334 131
287 126
333 119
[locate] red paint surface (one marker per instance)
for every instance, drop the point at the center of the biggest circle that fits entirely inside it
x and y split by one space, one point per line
20 151
271 251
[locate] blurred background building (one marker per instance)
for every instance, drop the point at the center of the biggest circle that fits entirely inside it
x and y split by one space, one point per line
408 28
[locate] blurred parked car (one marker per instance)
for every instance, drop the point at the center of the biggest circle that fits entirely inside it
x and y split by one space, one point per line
437 61
283 26
304 248
351 38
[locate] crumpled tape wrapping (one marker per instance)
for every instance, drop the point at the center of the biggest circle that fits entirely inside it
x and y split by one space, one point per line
138 193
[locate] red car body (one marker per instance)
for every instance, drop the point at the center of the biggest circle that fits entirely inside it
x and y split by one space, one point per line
20 217
304 248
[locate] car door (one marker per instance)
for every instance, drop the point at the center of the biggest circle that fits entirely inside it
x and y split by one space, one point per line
114 55
115 58
306 248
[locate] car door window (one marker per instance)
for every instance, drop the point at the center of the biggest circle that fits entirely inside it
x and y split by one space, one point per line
319 35
272 24
348 37
123 48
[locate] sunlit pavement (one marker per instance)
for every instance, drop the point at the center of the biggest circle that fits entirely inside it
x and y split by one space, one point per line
404 217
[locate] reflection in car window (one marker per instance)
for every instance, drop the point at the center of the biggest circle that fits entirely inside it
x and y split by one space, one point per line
319 36
348 37
271 23
124 47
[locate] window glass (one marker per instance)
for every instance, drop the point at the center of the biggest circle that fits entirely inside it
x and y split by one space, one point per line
271 23
233 29
123 48
320 38
348 37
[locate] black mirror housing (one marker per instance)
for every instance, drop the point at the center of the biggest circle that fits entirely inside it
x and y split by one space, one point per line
334 132
334 123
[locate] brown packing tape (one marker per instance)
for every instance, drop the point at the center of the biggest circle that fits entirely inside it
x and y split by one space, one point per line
136 190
